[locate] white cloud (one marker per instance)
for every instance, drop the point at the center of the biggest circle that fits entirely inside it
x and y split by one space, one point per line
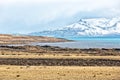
29 13
67 6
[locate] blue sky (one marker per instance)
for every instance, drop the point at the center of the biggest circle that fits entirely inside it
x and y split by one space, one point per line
25 16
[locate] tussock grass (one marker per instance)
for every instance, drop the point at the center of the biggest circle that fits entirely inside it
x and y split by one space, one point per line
59 73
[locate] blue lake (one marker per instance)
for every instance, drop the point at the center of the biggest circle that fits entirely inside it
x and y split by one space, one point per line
88 43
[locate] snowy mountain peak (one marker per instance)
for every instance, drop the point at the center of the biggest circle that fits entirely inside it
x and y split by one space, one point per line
95 27
102 22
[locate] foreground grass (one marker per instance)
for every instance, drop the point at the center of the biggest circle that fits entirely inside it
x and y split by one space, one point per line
60 56
9 72
58 73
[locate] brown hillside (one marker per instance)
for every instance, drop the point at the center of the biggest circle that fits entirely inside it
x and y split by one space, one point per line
13 39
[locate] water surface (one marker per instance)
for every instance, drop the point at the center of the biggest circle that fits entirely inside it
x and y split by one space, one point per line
88 43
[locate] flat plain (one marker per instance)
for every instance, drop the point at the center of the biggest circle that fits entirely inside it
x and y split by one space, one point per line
58 73
55 63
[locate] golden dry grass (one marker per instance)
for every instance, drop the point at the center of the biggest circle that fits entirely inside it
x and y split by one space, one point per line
14 54
58 73
9 72
15 39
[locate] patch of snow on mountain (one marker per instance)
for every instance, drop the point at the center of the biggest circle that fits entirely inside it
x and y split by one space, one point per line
87 27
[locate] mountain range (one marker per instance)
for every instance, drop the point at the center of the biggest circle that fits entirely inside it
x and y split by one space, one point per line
93 27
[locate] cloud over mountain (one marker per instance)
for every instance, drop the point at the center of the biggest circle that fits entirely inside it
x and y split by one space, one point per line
24 16
93 27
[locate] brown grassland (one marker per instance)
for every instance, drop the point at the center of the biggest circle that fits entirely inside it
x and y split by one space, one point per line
55 63
58 72
24 39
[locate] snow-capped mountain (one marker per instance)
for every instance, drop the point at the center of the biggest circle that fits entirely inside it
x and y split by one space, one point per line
95 27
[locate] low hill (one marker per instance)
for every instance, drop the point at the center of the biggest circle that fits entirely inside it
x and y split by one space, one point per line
18 39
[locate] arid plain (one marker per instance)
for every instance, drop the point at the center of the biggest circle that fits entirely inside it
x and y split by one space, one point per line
55 63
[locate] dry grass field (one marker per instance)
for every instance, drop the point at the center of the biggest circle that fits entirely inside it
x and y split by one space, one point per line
27 63
58 73
24 39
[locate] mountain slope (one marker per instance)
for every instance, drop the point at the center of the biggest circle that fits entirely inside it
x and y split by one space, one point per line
96 27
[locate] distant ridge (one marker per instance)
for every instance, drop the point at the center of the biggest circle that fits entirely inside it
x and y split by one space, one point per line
95 27
18 39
